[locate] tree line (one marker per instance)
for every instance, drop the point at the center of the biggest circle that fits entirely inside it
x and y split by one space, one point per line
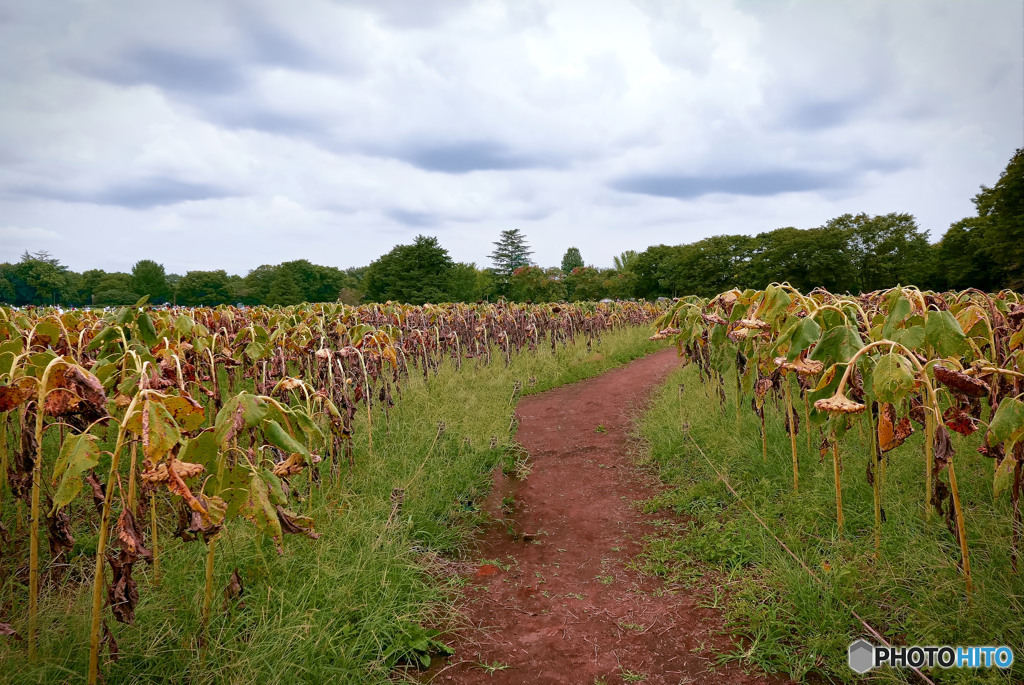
850 253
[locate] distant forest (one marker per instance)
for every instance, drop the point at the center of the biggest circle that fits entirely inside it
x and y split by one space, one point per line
851 253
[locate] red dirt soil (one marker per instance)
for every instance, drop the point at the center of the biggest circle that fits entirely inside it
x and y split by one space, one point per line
555 602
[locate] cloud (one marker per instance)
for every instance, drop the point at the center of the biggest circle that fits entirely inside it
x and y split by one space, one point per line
137 194
411 15
270 45
171 70
410 218
158 192
815 115
464 157
16 235
758 184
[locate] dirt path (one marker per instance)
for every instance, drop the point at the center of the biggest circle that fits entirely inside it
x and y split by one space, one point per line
554 602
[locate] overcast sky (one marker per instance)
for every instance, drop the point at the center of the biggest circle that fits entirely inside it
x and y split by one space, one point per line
207 134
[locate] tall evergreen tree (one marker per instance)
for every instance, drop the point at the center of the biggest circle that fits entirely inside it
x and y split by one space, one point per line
511 251
571 260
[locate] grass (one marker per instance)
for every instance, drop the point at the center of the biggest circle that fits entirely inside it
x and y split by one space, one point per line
350 607
913 593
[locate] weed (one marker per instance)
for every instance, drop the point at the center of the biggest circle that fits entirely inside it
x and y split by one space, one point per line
491 668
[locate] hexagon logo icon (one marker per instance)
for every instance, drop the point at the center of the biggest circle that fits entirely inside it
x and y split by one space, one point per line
861 656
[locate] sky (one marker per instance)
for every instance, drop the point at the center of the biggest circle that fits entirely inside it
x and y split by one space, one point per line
208 134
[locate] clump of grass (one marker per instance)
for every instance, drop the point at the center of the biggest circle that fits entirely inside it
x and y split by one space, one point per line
913 593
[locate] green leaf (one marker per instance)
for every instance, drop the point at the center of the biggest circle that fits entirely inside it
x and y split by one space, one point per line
258 509
234 488
6 362
307 426
897 313
202 449
775 302
805 334
1008 423
105 373
142 300
78 454
183 326
274 488
147 331
15 345
155 425
912 337
280 438
241 412
254 351
893 378
216 508
46 334
107 335
838 344
943 332
1003 476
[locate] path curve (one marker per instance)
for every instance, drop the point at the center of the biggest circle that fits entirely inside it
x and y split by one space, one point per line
559 604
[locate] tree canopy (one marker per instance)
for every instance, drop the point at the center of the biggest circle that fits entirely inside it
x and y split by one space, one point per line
572 259
416 273
149 278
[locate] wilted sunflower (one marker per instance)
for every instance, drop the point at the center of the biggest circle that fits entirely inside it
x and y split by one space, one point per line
804 367
183 469
960 382
839 404
755 323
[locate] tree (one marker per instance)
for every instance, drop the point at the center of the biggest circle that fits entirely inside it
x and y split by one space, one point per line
625 261
1002 206
649 269
284 289
351 296
39 279
256 285
585 283
708 266
6 288
148 278
416 273
114 289
806 259
204 288
887 249
963 257
510 252
572 259
467 283
536 284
